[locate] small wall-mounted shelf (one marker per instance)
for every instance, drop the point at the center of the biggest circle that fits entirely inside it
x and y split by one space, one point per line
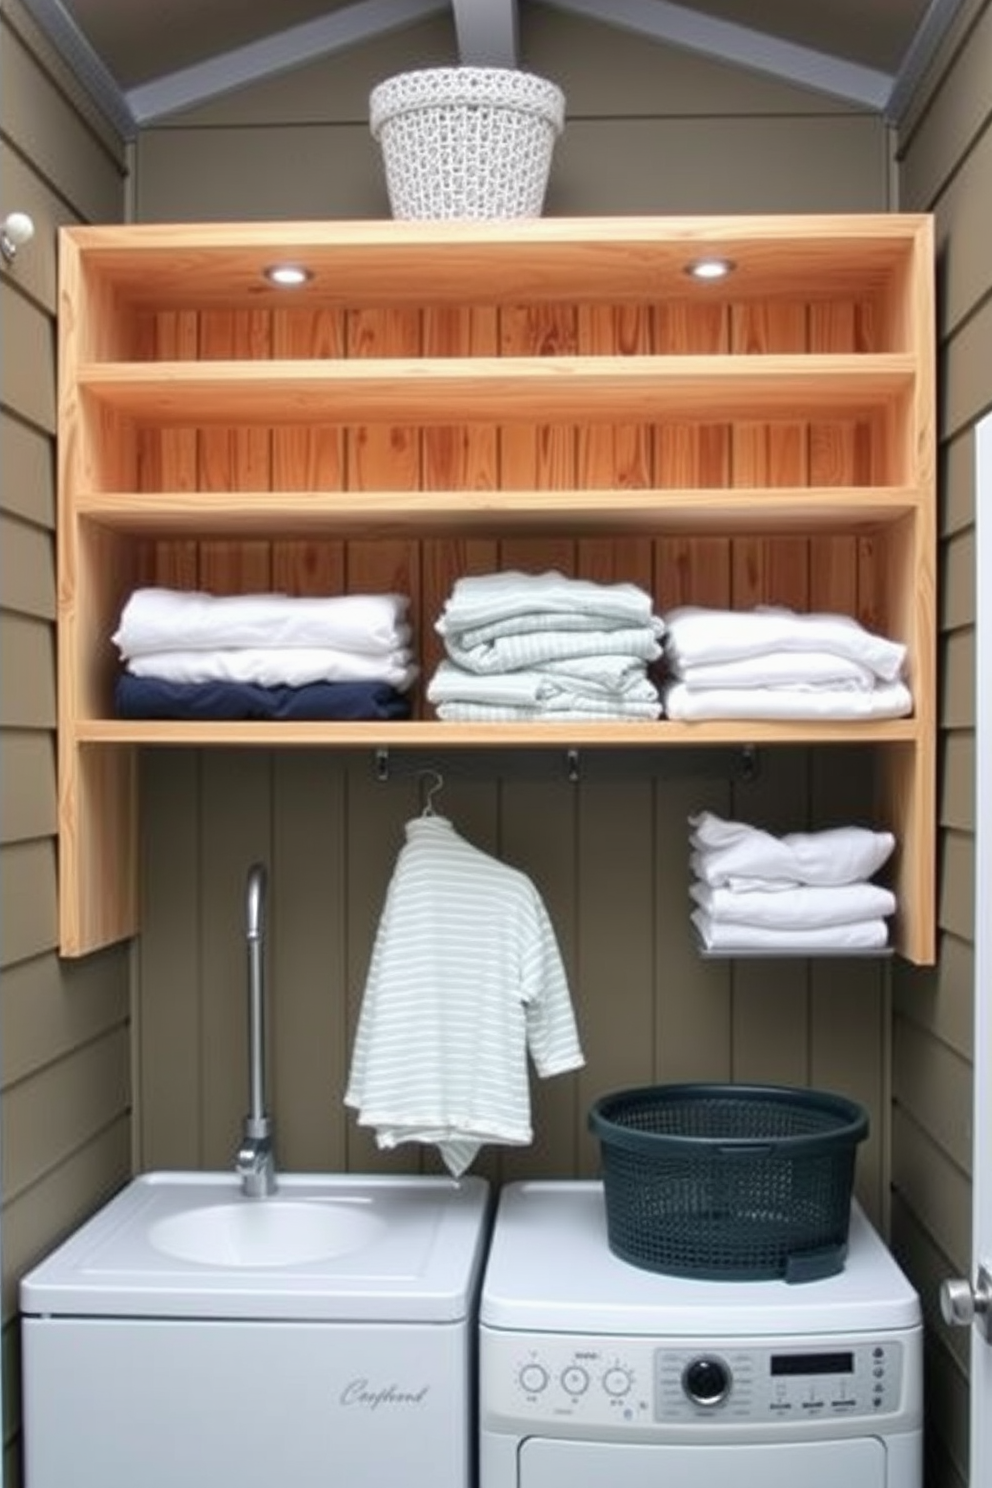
453 397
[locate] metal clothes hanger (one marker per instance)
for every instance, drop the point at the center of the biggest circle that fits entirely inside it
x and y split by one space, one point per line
437 784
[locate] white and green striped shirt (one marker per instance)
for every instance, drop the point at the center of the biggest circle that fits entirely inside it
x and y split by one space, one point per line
465 979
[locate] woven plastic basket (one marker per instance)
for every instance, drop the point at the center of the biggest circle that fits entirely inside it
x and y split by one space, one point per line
466 141
729 1182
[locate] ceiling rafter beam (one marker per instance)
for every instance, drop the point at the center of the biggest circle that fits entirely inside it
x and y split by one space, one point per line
85 63
281 52
740 46
487 32
927 39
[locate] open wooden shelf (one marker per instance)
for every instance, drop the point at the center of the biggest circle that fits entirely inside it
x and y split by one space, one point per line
445 398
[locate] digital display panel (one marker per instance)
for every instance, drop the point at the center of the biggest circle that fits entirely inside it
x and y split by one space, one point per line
791 1364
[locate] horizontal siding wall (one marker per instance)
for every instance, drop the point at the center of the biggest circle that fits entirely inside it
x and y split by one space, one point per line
649 130
945 167
64 1029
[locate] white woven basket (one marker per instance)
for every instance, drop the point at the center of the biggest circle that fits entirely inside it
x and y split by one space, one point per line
466 141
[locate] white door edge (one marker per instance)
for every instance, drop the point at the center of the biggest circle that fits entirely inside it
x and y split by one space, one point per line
981 1351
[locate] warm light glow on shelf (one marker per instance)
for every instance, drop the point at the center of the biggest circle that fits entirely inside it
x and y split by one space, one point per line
288 275
710 268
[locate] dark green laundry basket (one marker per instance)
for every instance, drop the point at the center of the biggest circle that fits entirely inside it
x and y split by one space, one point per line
729 1182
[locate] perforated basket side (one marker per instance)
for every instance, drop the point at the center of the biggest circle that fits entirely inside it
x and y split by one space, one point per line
738 1183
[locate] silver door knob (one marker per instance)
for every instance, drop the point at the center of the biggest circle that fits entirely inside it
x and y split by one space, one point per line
961 1303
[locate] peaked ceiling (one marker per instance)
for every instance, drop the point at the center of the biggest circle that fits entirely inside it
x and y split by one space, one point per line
145 59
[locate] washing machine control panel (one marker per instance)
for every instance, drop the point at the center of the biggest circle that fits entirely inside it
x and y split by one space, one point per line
634 1383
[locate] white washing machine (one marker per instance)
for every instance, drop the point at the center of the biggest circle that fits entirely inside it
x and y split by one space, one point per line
597 1374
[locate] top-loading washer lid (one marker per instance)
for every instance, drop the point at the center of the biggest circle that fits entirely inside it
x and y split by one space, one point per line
550 1269
328 1247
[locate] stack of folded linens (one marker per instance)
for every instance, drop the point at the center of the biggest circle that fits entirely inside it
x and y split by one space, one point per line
193 655
805 892
770 663
522 646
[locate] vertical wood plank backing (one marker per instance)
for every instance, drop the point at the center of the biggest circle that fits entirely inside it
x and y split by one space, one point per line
460 456
614 456
172 455
691 454
308 457
383 457
455 458
235 459
539 455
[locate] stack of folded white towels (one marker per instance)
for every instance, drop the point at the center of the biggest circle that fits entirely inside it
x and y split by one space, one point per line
771 663
190 653
806 892
543 646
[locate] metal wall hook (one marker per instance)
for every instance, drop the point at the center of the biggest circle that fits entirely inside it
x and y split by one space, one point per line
16 229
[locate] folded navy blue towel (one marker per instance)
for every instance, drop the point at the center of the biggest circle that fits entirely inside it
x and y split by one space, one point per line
149 697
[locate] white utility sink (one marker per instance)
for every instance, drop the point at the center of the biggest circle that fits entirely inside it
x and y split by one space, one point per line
324 1333
267 1232
335 1245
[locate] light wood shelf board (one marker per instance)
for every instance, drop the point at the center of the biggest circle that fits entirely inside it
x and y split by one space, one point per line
550 389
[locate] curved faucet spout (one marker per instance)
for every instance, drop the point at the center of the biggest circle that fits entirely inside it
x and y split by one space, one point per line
257 883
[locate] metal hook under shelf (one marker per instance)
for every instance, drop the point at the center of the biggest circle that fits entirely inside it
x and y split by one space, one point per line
739 763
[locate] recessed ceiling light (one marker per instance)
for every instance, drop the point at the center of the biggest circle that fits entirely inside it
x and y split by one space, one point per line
287 275
710 268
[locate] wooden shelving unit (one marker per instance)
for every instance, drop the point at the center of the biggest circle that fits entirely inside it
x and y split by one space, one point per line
443 398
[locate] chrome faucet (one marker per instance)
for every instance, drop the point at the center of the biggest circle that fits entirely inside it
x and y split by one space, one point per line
255 1163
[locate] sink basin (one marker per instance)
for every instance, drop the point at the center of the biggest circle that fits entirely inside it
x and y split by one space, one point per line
266 1232
347 1247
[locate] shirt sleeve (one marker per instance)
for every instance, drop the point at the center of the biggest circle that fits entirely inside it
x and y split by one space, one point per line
552 1035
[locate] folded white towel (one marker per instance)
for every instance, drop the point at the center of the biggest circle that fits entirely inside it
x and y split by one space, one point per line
798 670
289 666
804 907
696 635
887 700
718 935
187 620
480 599
728 850
701 864
536 648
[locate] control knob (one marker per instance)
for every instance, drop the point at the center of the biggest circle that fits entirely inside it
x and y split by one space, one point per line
533 1378
617 1381
706 1380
